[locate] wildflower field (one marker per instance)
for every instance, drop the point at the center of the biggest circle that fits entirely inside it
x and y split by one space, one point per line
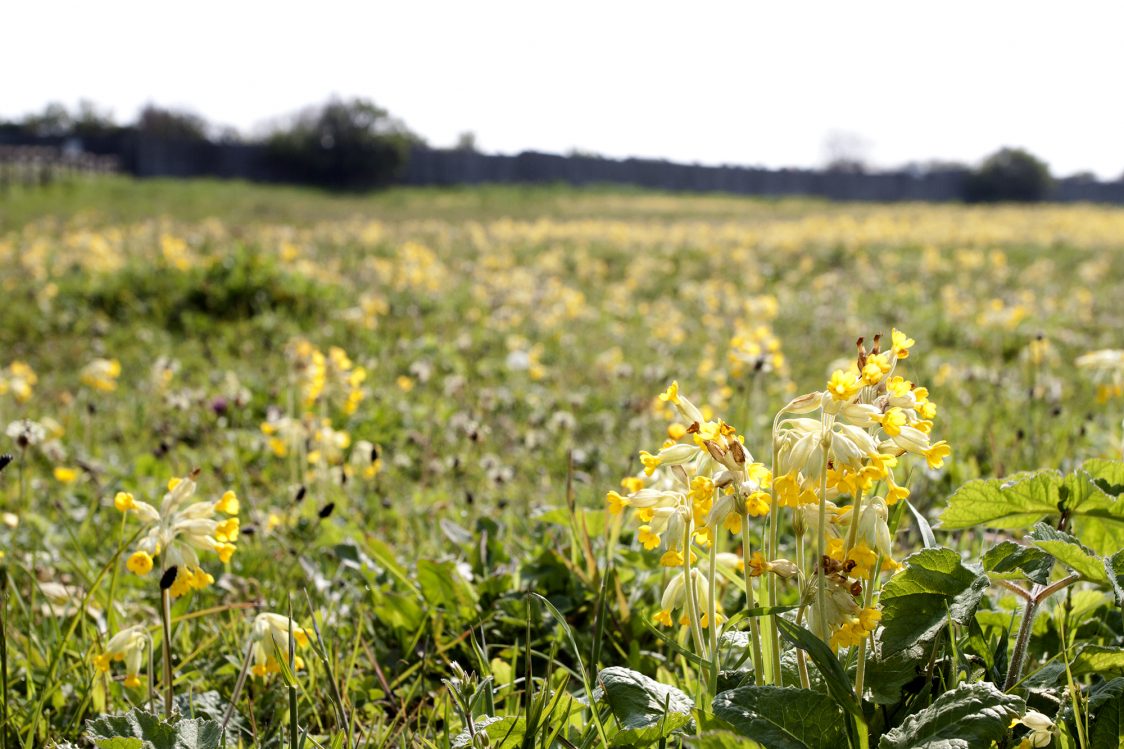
557 468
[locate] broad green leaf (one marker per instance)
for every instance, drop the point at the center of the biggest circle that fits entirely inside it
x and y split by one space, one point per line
719 740
154 733
969 716
1009 560
1102 660
1097 517
918 600
1107 474
504 732
1106 706
444 587
835 678
1114 567
1070 552
119 742
916 605
1016 502
645 709
212 706
783 717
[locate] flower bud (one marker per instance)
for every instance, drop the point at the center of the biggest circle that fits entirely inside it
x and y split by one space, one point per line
804 404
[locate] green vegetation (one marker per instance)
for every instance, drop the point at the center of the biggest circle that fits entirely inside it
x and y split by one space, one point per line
290 468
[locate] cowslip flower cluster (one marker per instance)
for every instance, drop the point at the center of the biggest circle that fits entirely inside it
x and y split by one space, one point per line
700 480
178 531
1107 370
101 375
270 638
18 379
845 442
128 645
326 376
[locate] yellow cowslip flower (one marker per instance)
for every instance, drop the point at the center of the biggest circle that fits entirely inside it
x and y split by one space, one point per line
617 503
124 501
844 386
757 504
270 638
894 493
101 374
900 344
20 381
898 387
673 558
671 395
647 538
405 384
790 492
228 504
675 431
66 474
651 462
139 563
936 454
872 373
757 565
632 484
892 421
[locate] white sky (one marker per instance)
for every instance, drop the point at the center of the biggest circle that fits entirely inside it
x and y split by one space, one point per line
740 83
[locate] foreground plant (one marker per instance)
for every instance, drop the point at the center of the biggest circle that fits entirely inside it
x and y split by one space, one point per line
833 459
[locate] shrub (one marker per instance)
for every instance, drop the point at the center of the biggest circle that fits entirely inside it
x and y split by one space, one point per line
1011 175
349 145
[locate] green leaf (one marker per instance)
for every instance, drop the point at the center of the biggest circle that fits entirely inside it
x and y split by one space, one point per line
917 601
835 678
1106 474
444 587
1114 566
916 605
152 732
645 709
972 715
783 717
719 740
1070 552
1097 517
1016 502
503 731
1102 660
1106 706
119 742
1008 559
212 706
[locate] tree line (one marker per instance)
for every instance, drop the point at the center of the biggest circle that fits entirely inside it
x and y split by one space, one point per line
355 144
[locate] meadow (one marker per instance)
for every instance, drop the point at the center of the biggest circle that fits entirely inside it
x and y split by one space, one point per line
557 468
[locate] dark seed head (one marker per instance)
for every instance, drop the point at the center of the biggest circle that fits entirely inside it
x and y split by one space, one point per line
5 460
300 493
327 510
168 577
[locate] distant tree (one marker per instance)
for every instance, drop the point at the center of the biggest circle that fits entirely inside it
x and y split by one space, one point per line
1009 175
90 120
466 141
54 120
345 144
846 152
171 123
